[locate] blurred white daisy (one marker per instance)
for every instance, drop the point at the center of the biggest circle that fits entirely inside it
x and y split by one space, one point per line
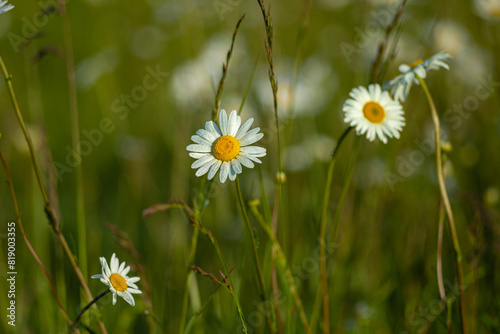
374 112
115 276
227 148
400 85
5 7
488 9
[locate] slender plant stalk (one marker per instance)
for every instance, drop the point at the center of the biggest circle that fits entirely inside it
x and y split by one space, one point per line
216 107
285 267
263 293
322 233
34 161
446 203
48 209
274 274
439 267
228 275
192 253
25 237
77 320
75 135
199 207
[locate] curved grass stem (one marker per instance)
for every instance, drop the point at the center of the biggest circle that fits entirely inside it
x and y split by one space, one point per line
322 233
285 267
28 243
446 203
263 293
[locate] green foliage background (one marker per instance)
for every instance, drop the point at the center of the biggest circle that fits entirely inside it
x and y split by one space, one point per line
383 267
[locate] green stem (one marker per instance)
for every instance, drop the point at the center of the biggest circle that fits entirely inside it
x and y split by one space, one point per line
75 323
28 243
199 207
34 161
48 209
75 135
322 233
263 293
228 275
284 264
446 202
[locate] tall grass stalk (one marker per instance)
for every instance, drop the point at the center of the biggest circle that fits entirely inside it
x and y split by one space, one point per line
263 293
48 209
284 267
446 203
28 243
322 232
218 95
75 136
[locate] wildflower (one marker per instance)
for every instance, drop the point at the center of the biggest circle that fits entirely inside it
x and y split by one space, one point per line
374 112
116 278
400 85
227 148
5 7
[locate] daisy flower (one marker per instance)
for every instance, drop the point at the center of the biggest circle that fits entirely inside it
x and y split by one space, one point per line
115 276
400 85
5 7
226 148
374 112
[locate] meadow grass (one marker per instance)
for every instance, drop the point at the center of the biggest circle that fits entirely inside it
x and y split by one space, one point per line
332 233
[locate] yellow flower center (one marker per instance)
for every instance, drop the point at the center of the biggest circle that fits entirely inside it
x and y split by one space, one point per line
374 112
226 148
416 63
118 282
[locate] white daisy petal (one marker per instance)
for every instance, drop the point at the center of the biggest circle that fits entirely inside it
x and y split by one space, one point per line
213 169
234 123
133 280
236 165
198 155
224 171
245 161
128 297
200 162
254 150
223 122
199 148
251 140
134 291
211 127
204 169
244 128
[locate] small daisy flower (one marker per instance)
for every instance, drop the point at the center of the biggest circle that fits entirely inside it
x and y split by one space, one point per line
400 85
115 276
5 7
227 148
374 112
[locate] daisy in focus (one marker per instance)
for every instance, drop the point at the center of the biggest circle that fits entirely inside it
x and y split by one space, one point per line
400 85
226 148
373 112
5 7
115 276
